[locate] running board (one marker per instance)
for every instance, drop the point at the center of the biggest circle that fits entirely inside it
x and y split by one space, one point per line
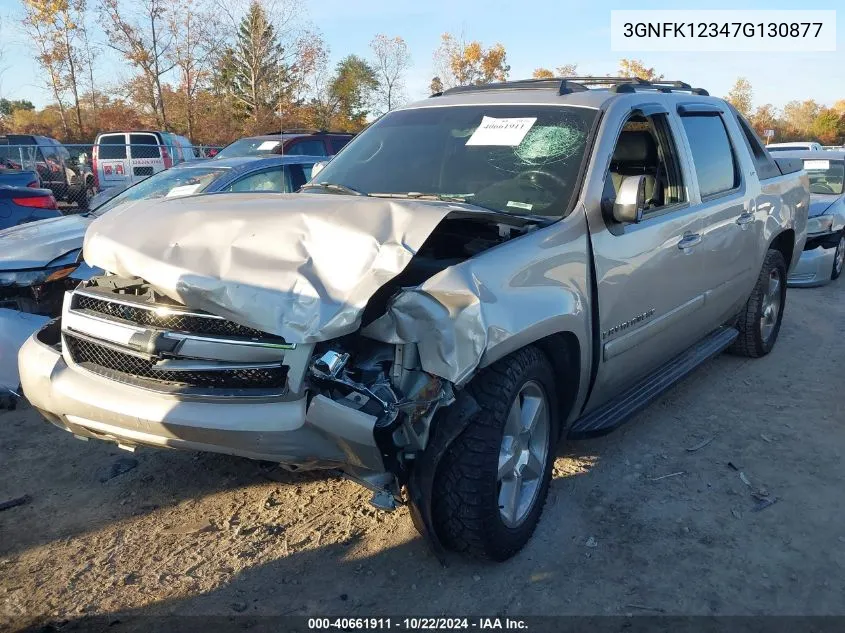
613 414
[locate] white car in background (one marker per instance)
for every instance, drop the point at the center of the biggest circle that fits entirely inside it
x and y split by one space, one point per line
796 146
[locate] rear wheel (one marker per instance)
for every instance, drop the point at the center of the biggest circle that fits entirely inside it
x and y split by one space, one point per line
759 323
838 258
491 485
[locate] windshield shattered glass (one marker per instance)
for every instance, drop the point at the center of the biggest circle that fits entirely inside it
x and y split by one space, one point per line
518 159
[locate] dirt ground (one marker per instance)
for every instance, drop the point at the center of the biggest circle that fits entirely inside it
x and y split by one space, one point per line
636 522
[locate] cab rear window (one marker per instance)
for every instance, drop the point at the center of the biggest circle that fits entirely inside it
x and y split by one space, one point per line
144 146
112 147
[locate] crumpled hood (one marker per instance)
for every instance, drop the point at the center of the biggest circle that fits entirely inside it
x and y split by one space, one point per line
36 244
819 203
301 266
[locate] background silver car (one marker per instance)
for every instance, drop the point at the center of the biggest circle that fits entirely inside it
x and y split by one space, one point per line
824 253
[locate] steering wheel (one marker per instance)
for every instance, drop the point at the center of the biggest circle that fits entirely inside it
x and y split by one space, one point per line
821 185
536 177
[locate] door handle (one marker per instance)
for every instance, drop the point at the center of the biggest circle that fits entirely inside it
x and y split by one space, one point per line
744 218
689 240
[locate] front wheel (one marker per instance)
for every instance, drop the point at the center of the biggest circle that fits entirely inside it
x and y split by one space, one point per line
759 322
492 483
838 258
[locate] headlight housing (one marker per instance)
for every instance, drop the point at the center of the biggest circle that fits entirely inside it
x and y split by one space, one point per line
819 224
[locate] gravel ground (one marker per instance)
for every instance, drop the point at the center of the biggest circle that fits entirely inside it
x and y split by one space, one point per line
635 523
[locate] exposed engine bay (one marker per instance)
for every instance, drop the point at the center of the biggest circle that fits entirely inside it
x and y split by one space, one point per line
190 353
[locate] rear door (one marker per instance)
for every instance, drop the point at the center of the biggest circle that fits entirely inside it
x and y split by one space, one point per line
146 153
113 160
726 197
649 275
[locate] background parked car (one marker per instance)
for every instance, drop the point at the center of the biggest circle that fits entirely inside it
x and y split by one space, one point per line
19 205
56 170
19 178
791 147
38 262
124 158
290 143
824 253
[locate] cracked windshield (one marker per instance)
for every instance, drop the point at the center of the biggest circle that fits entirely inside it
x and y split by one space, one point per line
515 159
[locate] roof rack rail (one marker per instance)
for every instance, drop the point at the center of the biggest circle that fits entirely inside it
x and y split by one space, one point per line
568 85
563 86
303 130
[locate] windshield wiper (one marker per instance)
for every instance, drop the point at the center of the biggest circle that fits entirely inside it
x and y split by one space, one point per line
331 186
518 219
417 195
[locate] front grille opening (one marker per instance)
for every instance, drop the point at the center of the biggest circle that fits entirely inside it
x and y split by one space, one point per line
170 321
106 361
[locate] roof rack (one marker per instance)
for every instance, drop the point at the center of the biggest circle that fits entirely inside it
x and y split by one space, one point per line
303 131
568 85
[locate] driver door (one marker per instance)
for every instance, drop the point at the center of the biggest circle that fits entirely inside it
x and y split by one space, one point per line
649 274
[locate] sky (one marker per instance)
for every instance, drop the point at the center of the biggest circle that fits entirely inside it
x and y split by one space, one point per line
545 33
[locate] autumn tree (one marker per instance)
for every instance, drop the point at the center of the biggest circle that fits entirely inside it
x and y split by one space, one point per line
192 28
799 116
567 70
254 64
436 85
140 34
461 63
39 24
740 96
343 99
636 68
828 127
391 60
765 117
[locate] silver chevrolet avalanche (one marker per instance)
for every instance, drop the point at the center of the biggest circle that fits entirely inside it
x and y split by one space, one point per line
473 278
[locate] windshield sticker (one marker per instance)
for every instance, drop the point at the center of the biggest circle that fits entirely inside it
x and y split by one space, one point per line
816 164
501 132
266 146
184 190
520 205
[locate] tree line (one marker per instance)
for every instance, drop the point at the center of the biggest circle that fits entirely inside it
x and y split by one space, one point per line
215 70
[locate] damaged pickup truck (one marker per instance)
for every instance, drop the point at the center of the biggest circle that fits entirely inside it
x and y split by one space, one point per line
546 259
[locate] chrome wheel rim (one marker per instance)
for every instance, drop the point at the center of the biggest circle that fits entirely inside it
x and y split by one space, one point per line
839 257
771 305
523 453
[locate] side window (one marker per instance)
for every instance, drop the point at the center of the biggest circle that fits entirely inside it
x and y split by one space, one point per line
144 146
338 142
306 148
766 167
51 157
298 176
112 147
712 154
267 180
646 148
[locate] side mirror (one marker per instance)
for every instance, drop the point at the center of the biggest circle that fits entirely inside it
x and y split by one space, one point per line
317 168
630 200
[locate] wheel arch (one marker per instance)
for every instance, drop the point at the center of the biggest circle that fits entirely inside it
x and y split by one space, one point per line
784 242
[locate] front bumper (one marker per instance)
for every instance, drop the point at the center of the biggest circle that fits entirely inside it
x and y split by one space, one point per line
316 434
813 268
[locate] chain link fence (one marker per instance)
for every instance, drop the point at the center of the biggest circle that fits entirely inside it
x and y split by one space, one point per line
76 172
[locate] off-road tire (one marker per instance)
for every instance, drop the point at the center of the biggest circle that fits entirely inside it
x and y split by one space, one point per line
465 506
750 341
834 273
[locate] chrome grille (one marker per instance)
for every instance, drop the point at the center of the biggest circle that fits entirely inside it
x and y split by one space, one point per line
169 320
104 360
